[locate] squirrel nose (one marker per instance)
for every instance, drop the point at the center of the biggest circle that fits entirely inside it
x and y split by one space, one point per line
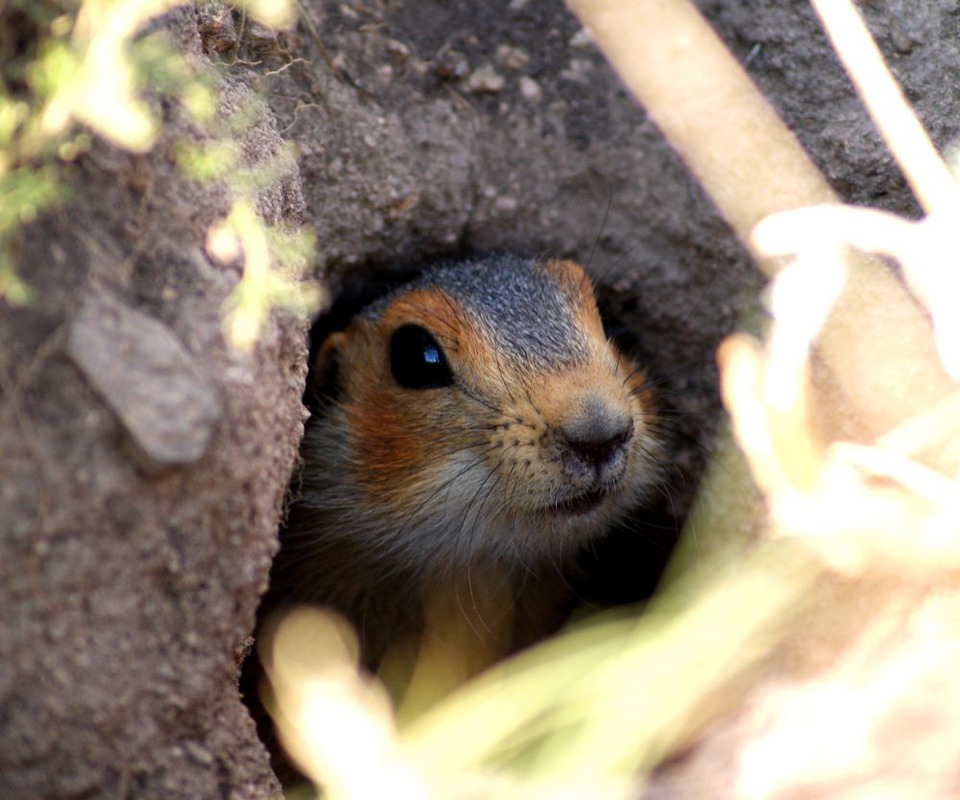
598 435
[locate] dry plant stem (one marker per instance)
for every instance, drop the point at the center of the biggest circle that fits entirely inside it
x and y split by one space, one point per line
318 42
928 175
706 106
751 166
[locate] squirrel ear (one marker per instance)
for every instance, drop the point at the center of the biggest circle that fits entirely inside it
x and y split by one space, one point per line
322 378
573 276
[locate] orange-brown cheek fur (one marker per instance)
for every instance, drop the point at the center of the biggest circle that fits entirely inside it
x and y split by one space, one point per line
636 384
397 444
401 436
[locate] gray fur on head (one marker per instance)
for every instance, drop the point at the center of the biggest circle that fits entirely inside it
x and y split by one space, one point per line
516 301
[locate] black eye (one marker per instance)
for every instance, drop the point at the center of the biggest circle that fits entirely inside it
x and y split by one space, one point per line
416 360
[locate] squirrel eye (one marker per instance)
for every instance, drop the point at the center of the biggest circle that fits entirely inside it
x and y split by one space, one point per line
416 360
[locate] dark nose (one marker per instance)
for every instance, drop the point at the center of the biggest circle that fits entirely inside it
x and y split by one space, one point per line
599 434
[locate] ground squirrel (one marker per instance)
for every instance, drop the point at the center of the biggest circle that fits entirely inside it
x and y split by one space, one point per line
473 430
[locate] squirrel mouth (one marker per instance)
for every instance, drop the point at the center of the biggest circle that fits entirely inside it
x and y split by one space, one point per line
581 503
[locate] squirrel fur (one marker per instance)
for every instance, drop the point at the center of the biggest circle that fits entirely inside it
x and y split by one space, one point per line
476 428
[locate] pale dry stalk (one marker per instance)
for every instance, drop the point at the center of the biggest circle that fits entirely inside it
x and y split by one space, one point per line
877 345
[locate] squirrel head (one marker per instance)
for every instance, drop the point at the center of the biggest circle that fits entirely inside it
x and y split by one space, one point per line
480 410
